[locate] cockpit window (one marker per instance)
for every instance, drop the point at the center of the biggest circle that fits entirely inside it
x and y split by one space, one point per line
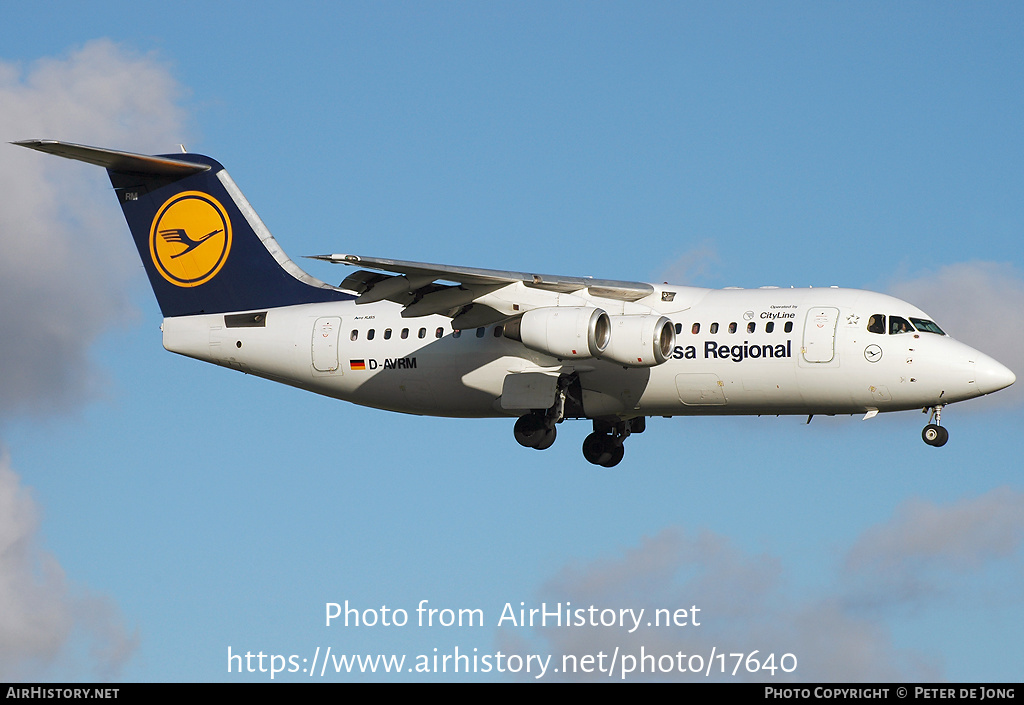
898 325
926 326
876 324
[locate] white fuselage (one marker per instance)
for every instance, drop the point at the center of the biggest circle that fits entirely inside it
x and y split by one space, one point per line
737 351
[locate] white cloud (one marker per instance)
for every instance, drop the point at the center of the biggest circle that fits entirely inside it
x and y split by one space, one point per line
900 560
65 271
695 267
67 256
837 633
42 616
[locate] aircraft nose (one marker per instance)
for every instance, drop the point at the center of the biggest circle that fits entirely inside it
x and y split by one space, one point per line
992 376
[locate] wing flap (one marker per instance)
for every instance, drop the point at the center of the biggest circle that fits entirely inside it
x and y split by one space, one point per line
362 281
444 301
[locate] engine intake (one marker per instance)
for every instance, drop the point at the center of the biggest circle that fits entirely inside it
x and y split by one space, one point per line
640 341
571 332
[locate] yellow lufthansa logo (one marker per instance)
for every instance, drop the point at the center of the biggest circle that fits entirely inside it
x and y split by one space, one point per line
190 238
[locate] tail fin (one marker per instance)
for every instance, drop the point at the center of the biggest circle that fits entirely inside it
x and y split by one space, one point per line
203 246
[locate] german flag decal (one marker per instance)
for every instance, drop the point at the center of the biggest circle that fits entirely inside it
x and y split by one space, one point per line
357 365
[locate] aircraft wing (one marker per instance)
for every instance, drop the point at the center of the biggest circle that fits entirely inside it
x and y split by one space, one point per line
423 290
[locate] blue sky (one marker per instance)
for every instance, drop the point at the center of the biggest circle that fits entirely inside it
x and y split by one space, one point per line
807 144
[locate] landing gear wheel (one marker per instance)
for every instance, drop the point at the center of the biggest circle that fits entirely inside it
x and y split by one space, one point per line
603 449
617 451
596 450
546 440
935 435
530 430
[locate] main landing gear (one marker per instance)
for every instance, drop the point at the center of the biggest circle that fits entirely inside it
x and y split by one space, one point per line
604 446
537 429
934 434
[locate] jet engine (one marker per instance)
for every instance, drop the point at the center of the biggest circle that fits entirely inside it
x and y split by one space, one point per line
640 340
568 332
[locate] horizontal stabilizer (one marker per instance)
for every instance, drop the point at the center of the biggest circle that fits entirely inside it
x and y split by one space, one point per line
124 162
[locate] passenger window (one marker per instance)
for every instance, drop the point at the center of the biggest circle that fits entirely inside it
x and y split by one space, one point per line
732 327
497 331
695 328
354 336
423 332
769 326
480 332
789 326
751 327
714 328
439 333
679 328
898 325
876 324
405 333
369 334
387 334
455 333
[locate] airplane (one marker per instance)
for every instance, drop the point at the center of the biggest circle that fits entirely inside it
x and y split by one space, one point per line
442 340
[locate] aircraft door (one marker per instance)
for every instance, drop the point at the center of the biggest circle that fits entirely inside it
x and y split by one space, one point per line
325 344
820 334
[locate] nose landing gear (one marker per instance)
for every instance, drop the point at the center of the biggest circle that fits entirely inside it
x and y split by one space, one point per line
934 434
